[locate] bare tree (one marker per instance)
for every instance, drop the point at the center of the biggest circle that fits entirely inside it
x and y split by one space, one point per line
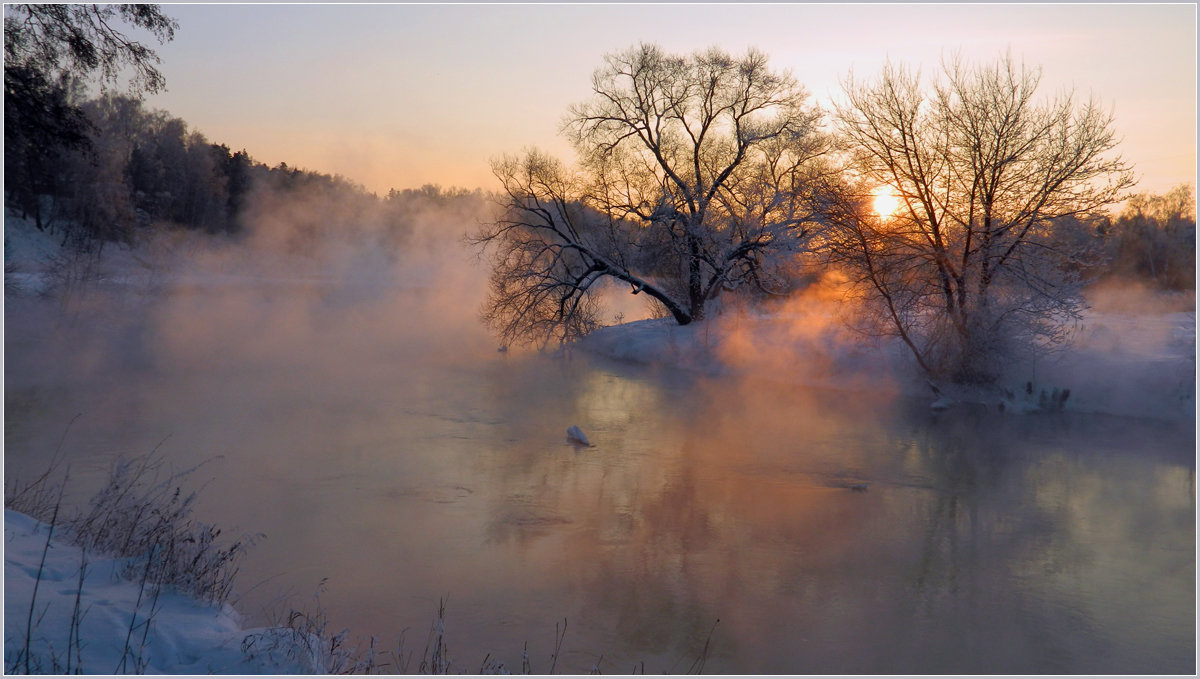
549 252
967 271
85 40
693 179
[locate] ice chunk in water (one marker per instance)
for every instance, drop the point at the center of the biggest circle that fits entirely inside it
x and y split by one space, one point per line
576 435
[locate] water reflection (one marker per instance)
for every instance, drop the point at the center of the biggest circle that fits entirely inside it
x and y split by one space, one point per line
983 543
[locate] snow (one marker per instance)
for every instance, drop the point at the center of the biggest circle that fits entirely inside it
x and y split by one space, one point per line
1121 363
185 636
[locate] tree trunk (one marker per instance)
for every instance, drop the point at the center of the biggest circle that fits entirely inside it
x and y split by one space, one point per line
695 289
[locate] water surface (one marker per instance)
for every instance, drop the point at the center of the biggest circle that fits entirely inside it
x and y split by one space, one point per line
400 459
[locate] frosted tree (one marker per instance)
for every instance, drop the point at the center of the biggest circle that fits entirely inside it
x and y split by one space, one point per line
1154 239
967 271
693 180
51 51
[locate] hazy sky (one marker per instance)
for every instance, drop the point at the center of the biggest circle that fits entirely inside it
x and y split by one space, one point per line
395 96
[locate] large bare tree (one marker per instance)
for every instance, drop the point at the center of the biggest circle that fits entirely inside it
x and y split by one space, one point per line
968 271
693 179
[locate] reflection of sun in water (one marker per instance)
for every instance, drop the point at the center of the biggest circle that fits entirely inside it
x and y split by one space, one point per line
886 201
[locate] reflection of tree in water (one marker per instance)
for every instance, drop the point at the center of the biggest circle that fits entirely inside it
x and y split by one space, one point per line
981 544
968 465
668 566
649 583
1027 539
955 472
626 541
717 536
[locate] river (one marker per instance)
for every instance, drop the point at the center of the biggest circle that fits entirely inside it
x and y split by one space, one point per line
389 452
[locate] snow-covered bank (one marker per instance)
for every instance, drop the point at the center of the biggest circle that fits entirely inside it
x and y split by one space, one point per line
110 635
1124 364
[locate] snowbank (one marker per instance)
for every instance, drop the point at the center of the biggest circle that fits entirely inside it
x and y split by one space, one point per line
1125 364
657 341
1141 365
184 636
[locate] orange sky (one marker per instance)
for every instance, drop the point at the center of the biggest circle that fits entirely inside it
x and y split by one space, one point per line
396 96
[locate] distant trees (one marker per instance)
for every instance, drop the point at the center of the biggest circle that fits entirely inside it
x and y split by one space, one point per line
49 52
176 176
1154 240
693 180
142 170
138 168
94 205
968 271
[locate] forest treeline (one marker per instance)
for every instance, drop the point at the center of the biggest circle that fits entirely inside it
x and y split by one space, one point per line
1153 240
141 170
85 158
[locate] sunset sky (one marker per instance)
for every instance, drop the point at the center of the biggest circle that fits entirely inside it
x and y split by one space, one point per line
396 96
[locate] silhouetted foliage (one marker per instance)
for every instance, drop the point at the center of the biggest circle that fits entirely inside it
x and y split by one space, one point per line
40 125
82 40
236 168
140 170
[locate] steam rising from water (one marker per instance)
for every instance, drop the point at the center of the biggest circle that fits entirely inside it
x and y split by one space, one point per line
809 338
325 296
328 295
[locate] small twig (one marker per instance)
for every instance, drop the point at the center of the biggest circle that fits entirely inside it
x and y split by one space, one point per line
698 666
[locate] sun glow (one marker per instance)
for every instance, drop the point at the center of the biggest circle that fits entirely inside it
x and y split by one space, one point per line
886 201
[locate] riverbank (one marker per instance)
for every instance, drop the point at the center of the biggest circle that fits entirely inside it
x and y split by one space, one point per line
1124 361
88 618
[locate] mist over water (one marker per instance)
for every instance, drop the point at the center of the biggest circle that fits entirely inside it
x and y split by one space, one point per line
346 402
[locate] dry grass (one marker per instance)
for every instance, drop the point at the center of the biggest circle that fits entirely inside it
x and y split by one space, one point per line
143 515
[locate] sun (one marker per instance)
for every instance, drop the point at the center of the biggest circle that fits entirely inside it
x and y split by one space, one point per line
886 201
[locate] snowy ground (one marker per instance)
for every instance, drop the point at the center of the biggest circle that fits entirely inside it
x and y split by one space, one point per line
1124 364
185 636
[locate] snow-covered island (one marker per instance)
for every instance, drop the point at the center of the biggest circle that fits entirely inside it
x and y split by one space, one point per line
1122 362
